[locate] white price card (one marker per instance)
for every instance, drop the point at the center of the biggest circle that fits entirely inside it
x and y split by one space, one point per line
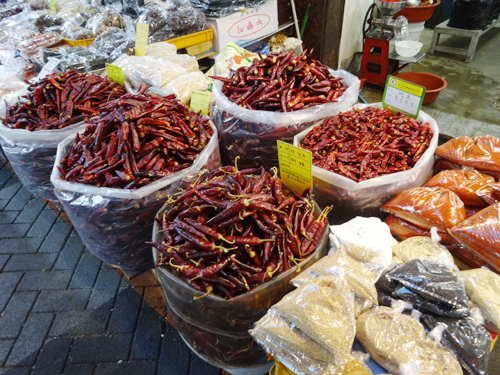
49 67
403 96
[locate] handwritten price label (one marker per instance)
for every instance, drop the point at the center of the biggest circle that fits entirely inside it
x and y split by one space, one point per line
200 101
48 68
141 38
403 96
295 166
115 74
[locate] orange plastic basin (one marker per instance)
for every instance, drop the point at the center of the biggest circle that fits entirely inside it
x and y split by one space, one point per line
417 14
433 84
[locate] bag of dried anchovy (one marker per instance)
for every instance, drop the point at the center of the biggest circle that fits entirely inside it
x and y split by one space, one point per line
358 178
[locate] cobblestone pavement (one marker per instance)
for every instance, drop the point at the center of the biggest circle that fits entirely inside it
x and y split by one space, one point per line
65 312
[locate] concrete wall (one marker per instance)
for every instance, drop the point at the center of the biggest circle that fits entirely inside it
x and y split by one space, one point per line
352 35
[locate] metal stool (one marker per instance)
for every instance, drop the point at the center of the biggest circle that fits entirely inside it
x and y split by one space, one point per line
443 28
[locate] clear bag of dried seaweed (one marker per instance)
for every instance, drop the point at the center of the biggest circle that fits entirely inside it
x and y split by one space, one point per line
468 340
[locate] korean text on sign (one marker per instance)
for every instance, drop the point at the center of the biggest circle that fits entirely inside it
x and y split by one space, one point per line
295 166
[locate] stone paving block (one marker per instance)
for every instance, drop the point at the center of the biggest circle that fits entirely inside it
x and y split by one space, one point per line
5 346
71 252
125 312
20 245
86 272
52 356
13 230
55 239
8 217
5 175
15 313
31 211
200 367
42 224
19 200
8 282
175 356
147 339
62 300
3 203
45 280
86 322
105 289
15 371
127 368
10 188
3 259
85 369
488 129
30 262
30 340
97 349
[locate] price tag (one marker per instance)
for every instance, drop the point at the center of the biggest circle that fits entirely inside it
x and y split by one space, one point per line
48 68
115 74
403 96
52 5
295 166
200 101
141 38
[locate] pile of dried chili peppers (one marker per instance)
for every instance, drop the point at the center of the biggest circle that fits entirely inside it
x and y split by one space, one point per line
60 100
135 140
282 82
365 143
237 230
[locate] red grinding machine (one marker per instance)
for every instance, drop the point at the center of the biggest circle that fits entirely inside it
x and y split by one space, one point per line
379 55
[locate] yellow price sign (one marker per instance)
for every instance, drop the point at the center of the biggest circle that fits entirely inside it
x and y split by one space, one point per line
295 166
200 101
115 74
141 38
52 5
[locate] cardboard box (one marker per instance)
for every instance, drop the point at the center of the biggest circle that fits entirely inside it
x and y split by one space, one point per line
251 24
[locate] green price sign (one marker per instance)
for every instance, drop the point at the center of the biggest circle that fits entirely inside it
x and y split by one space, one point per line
403 96
200 101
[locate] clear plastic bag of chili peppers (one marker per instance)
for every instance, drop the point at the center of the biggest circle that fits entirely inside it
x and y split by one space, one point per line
351 198
114 223
252 134
216 328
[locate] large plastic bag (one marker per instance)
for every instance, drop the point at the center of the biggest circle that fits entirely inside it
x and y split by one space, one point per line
252 135
369 234
32 155
481 152
187 62
470 14
428 207
470 342
398 343
469 185
423 248
360 278
481 234
403 229
160 49
324 311
364 198
154 16
184 85
483 288
114 224
155 74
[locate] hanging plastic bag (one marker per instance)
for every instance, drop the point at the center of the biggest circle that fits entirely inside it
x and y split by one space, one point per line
470 14
252 135
428 207
481 234
470 342
114 224
483 288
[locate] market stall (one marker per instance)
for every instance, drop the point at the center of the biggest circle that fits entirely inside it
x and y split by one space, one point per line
160 166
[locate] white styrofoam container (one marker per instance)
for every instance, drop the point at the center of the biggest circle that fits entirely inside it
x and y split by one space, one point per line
251 24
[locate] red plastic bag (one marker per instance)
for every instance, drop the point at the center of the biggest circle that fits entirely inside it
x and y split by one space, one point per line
481 152
404 230
469 185
481 234
428 207
441 164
